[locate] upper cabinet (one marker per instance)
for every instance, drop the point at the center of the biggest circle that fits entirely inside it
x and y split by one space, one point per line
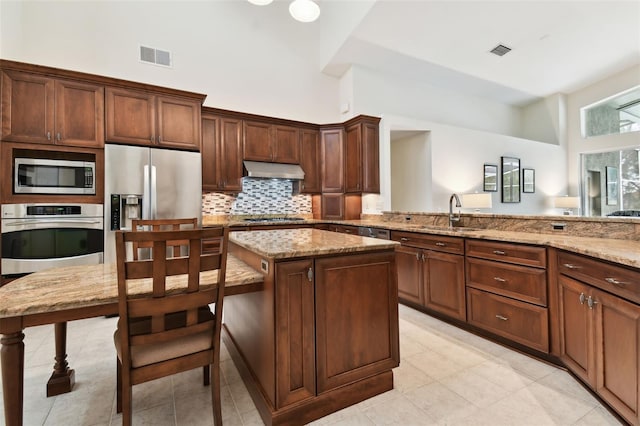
310 160
332 159
146 118
41 109
271 143
221 153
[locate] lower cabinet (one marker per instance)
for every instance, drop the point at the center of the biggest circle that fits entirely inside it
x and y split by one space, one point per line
600 342
431 272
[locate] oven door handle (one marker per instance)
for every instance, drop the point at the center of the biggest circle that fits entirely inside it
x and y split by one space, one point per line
50 221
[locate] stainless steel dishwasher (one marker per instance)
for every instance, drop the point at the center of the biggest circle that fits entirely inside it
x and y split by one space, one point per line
367 231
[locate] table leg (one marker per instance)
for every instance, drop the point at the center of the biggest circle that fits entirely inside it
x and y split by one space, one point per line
63 378
12 360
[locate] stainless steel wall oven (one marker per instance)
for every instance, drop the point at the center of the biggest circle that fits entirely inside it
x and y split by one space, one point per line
42 236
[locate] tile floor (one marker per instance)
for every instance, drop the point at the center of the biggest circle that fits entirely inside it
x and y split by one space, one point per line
446 377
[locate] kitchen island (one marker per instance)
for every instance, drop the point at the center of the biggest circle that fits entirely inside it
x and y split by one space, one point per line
323 332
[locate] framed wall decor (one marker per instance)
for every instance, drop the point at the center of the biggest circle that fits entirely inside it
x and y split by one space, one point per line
510 180
490 178
528 180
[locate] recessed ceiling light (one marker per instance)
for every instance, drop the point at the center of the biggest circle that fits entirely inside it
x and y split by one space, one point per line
260 2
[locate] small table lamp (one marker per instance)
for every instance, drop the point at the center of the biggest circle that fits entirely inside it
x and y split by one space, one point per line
476 201
567 203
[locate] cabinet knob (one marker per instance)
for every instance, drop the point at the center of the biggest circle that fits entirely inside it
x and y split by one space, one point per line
310 275
48 136
58 137
501 317
582 298
591 302
152 139
423 257
499 252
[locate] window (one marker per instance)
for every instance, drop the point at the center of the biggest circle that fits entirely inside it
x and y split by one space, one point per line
617 114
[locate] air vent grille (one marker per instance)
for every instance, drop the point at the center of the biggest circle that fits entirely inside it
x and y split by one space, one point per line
155 56
500 50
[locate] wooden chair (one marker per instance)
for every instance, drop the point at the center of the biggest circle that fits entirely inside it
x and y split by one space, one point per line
161 225
162 329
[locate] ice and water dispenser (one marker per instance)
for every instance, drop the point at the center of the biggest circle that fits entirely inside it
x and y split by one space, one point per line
125 208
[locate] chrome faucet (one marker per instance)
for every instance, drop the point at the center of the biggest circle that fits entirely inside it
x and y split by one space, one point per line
452 217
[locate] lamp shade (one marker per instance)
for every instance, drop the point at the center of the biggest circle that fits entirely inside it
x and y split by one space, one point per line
566 202
476 201
304 10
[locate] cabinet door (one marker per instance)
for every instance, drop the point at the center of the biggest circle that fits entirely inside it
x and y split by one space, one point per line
230 154
286 144
79 114
208 148
353 159
444 284
295 332
27 108
130 116
409 264
370 158
576 329
179 123
310 159
257 144
333 206
356 318
617 325
332 161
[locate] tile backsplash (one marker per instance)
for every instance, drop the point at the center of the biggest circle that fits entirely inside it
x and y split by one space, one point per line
258 196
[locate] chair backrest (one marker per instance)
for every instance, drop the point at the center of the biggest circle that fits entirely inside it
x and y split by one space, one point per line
162 225
155 289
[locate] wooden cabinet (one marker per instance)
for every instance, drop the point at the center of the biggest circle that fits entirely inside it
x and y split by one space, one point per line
332 159
146 118
40 109
310 160
221 153
600 330
341 206
431 272
353 158
343 229
271 143
507 291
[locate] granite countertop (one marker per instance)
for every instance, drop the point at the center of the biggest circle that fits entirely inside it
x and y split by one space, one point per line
625 252
292 243
85 286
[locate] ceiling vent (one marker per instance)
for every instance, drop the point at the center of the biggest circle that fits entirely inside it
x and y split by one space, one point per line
155 56
500 50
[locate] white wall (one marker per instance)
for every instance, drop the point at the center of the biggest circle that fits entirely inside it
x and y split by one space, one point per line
244 57
411 170
545 120
576 143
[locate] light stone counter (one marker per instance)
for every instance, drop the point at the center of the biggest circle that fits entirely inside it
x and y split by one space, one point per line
292 243
86 286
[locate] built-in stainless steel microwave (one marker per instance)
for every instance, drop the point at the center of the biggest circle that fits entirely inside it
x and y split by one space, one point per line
47 176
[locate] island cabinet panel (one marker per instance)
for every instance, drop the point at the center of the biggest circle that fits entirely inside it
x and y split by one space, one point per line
39 109
356 318
600 330
295 337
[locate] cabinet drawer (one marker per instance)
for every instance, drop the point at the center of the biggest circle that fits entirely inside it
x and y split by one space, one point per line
618 280
507 252
518 321
520 282
431 242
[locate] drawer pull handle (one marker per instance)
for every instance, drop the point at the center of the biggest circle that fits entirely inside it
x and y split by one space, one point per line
439 244
616 282
418 256
582 298
404 239
499 252
501 280
570 266
500 317
591 302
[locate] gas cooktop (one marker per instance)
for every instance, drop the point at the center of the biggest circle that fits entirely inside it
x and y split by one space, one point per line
272 219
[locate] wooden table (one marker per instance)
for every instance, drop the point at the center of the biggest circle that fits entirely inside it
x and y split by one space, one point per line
58 295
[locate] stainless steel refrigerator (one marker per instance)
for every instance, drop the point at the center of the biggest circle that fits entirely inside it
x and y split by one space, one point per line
148 183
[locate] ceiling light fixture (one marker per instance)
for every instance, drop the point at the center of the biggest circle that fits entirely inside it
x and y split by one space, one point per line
260 2
304 10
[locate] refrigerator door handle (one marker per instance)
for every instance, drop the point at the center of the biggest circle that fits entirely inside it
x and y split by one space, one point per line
146 199
154 204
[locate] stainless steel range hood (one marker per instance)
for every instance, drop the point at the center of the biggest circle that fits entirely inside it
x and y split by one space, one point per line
259 169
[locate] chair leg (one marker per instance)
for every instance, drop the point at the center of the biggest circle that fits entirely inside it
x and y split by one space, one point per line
118 386
206 375
127 403
216 402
